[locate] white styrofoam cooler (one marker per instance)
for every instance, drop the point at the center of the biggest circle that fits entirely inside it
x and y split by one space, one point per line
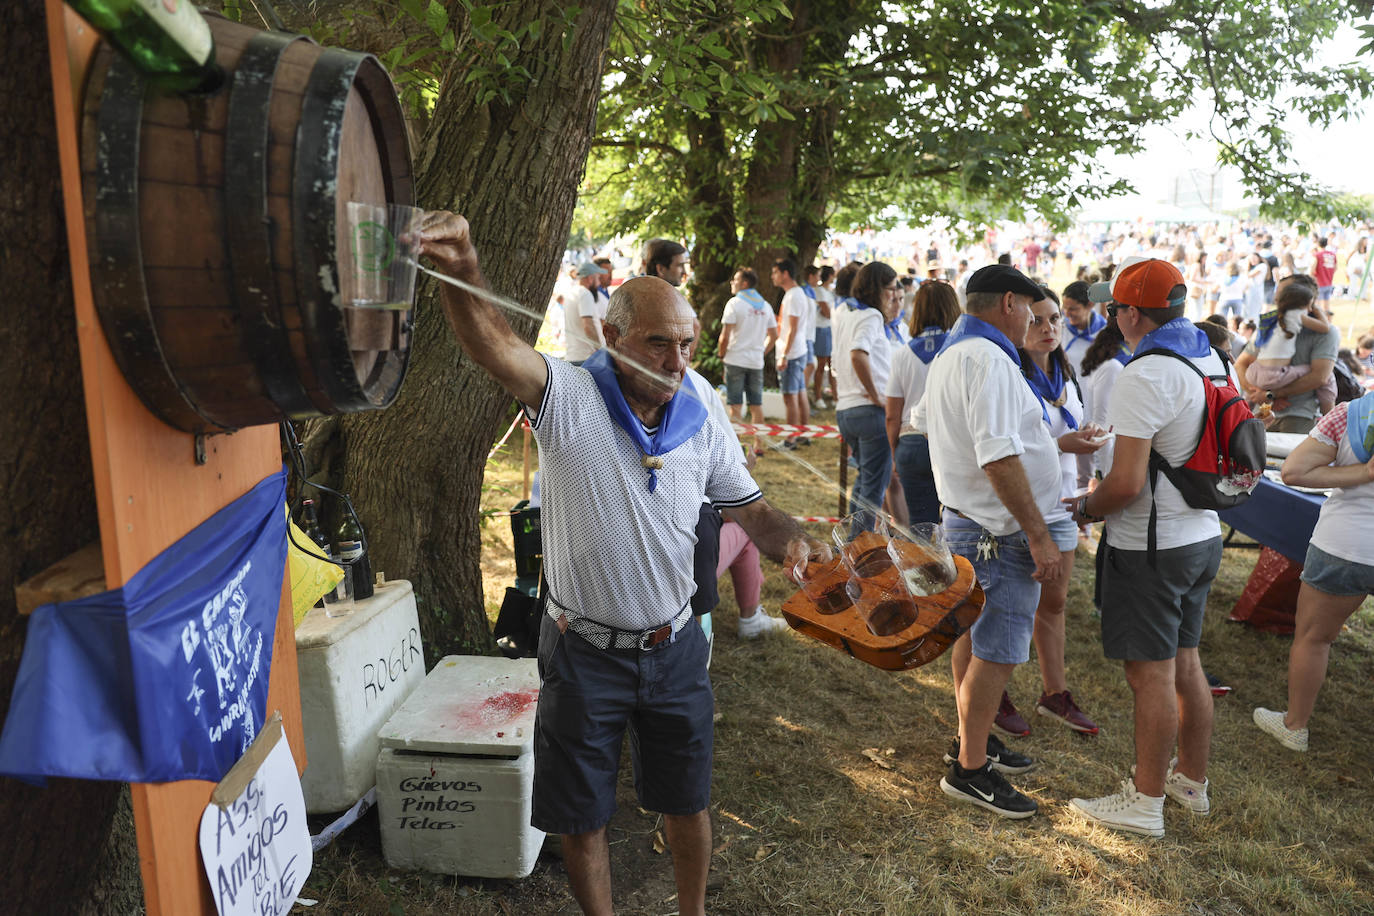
355 671
456 771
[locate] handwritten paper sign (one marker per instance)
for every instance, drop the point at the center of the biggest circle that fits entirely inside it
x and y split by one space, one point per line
254 841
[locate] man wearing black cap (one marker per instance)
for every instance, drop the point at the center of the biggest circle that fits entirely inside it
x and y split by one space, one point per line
997 472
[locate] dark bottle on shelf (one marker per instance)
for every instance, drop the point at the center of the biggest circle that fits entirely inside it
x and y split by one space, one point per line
310 524
169 41
351 552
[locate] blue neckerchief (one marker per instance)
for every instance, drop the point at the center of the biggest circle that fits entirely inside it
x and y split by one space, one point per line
968 327
1123 354
754 298
1049 388
1359 426
893 328
1179 335
810 293
1267 323
1095 323
927 343
853 303
681 419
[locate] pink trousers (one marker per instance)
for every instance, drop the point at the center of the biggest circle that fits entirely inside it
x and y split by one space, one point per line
741 557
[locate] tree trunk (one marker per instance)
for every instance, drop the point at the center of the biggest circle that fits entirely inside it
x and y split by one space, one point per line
717 250
513 168
54 838
769 186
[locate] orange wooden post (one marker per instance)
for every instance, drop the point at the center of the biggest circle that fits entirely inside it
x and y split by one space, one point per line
150 492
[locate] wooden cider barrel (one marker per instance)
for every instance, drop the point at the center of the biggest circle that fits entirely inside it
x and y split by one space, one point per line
216 223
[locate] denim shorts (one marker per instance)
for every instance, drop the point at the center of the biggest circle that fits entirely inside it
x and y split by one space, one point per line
1335 576
588 697
1065 534
1002 633
1324 292
793 378
822 347
810 352
1149 612
741 383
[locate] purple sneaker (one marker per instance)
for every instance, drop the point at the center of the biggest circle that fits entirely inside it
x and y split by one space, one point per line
1062 707
1009 721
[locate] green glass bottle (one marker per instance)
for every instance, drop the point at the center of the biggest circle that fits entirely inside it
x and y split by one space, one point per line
169 41
349 545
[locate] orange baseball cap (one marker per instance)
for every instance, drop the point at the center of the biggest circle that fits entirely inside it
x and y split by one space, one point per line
1151 284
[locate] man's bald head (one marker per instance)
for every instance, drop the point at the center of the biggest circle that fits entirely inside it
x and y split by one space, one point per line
645 298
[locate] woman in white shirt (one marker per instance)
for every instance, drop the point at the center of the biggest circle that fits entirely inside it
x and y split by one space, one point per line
933 312
861 359
1338 573
1050 376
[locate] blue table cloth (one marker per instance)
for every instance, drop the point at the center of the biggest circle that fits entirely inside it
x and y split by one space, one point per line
1277 517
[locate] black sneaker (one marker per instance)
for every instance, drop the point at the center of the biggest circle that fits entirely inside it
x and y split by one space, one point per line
1002 758
988 789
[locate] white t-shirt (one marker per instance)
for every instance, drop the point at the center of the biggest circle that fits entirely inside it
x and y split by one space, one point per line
907 380
827 296
978 409
1347 516
1097 398
750 332
1280 345
614 552
795 303
1068 462
1075 349
1160 399
581 304
859 329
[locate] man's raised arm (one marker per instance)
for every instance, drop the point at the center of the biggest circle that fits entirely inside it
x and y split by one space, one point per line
482 331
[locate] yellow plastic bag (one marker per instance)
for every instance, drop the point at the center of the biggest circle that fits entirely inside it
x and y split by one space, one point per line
310 578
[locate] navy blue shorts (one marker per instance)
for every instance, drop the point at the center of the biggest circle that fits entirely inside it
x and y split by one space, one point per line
588 697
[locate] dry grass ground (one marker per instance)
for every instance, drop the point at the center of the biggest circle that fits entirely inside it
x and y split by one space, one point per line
807 822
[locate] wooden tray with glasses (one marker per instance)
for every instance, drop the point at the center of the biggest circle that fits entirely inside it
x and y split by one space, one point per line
897 629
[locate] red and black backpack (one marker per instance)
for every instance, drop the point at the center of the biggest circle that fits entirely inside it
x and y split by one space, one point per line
1229 459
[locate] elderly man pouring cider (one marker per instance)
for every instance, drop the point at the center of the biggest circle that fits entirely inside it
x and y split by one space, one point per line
627 456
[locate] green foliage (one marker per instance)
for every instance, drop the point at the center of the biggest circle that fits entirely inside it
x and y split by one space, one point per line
835 113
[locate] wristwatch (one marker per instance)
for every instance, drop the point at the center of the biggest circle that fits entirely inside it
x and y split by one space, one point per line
1083 510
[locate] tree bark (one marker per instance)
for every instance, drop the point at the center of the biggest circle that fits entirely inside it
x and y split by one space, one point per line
513 168
54 838
716 252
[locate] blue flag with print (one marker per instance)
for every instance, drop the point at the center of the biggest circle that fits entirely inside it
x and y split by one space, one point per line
164 678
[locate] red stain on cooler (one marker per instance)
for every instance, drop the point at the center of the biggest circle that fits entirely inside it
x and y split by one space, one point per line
497 709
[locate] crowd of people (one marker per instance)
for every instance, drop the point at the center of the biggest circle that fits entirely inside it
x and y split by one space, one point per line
1012 414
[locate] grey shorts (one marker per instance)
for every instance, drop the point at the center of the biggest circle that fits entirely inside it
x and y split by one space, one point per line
1150 612
589 697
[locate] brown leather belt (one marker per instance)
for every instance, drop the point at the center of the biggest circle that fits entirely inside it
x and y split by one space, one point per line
607 637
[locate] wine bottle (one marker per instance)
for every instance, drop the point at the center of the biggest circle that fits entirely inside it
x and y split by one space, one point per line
358 566
311 526
169 41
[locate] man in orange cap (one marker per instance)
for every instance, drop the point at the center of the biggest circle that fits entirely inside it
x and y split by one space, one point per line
1161 554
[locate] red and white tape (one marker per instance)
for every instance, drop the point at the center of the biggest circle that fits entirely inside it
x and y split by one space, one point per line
829 520
783 429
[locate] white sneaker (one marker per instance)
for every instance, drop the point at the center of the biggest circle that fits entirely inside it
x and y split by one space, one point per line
1127 810
1271 721
759 623
1187 792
